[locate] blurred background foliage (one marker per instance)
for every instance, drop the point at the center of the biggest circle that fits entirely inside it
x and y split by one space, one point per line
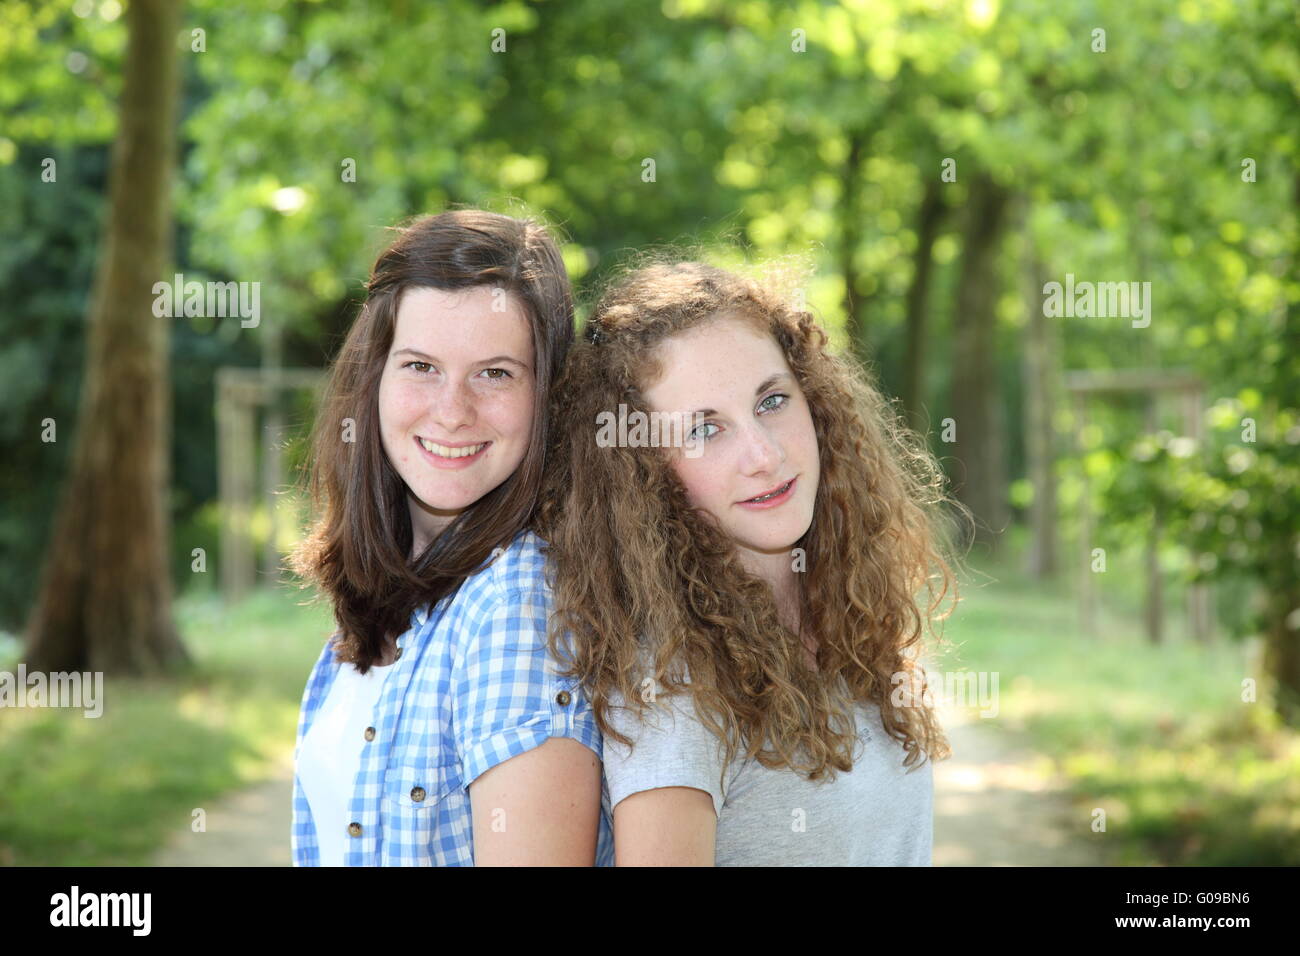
813 129
1122 164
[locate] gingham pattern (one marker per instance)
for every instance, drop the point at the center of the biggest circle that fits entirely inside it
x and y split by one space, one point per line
474 686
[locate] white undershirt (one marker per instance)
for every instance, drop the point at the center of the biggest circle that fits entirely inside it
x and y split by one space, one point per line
331 755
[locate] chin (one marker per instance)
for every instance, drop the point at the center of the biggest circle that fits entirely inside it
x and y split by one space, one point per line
775 542
445 502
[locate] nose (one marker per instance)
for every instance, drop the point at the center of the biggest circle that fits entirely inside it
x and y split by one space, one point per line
453 406
763 453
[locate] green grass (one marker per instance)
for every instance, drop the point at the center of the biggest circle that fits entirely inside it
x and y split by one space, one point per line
1158 737
109 790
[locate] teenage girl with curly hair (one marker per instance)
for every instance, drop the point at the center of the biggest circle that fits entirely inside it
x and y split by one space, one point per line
744 605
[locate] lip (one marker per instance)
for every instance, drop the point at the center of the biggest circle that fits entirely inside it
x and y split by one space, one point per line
771 502
451 464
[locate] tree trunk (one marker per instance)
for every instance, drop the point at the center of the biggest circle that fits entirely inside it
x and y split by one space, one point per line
1282 648
1282 655
928 219
1042 373
104 602
850 239
976 396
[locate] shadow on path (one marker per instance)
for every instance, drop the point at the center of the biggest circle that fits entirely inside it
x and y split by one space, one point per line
996 803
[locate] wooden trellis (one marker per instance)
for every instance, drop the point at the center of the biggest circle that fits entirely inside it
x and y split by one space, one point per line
1186 387
241 394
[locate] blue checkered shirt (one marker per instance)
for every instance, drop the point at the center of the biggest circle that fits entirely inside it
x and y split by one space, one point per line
473 686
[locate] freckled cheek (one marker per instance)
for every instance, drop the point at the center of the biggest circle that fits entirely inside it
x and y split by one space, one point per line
704 481
808 449
400 408
800 437
809 456
508 414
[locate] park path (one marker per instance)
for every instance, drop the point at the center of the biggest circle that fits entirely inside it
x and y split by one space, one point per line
248 827
995 804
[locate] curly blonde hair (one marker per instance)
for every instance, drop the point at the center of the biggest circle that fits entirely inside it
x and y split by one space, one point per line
641 576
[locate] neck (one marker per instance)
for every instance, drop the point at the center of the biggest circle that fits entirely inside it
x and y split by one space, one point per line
778 571
426 524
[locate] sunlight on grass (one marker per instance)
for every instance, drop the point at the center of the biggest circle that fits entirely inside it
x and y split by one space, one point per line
1156 735
160 748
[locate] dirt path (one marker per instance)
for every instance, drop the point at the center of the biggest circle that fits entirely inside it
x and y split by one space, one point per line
997 804
994 805
249 827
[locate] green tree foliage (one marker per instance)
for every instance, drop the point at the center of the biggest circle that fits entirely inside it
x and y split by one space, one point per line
808 127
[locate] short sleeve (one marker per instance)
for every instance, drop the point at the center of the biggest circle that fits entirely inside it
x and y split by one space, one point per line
670 748
507 698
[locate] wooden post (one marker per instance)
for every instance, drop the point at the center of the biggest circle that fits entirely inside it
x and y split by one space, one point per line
273 426
1154 605
1200 606
1087 590
235 453
1039 412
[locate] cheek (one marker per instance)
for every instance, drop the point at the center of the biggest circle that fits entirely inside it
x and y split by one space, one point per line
388 413
700 478
398 404
804 436
511 413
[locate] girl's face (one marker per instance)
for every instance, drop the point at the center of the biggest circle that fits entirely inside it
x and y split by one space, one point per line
456 399
758 469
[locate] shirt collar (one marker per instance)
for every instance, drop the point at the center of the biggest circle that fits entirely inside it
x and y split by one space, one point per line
421 615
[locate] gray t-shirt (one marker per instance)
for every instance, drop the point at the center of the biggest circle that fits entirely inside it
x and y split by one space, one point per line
879 814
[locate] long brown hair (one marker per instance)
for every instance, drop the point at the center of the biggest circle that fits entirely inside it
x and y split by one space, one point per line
643 579
358 551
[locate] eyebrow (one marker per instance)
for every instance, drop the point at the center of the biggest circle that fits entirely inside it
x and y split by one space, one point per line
489 361
766 384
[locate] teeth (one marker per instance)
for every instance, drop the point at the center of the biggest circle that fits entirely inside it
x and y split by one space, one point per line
442 451
778 492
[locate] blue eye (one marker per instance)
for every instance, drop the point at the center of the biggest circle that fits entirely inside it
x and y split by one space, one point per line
695 436
771 408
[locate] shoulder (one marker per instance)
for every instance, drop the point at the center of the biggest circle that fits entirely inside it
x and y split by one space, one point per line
669 747
508 599
522 564
518 566
659 720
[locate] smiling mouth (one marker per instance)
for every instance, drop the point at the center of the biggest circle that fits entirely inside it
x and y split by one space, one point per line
448 451
774 493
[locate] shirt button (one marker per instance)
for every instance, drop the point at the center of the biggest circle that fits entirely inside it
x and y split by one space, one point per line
370 733
563 698
417 794
354 829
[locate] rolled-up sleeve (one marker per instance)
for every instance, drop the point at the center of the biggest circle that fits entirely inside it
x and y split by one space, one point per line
670 748
507 698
